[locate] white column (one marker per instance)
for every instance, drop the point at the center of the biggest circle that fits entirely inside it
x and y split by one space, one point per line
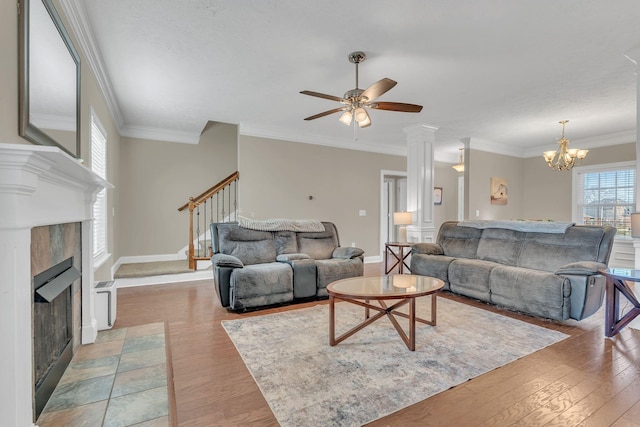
634 56
420 171
16 369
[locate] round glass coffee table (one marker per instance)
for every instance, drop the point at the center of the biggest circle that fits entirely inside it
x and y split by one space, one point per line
404 288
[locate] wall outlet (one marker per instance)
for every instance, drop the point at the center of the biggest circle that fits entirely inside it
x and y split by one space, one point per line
477 213
362 212
353 244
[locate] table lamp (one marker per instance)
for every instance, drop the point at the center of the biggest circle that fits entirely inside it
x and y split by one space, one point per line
635 224
402 219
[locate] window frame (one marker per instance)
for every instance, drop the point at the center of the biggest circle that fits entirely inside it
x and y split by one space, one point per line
576 185
100 219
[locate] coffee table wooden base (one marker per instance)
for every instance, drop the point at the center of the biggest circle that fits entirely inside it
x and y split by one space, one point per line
390 311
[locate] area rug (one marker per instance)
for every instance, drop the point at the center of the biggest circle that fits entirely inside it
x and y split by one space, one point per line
372 374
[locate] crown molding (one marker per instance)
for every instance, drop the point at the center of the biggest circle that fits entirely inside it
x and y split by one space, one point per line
80 26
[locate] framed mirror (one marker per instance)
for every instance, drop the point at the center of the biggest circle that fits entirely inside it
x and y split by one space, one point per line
49 86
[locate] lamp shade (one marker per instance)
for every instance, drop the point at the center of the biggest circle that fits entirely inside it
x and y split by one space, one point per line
635 224
403 218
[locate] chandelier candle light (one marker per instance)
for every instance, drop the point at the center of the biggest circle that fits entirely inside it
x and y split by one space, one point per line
460 166
565 157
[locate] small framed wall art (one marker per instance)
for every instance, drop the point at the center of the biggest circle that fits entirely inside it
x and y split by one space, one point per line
437 195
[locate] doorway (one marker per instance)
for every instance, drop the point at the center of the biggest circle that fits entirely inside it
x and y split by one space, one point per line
393 199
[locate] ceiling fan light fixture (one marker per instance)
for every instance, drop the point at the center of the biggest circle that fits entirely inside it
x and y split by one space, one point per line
366 122
361 115
346 118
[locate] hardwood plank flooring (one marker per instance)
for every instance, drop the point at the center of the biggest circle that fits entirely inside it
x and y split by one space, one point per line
585 380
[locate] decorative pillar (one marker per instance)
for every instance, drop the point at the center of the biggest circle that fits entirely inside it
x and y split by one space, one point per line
634 56
420 171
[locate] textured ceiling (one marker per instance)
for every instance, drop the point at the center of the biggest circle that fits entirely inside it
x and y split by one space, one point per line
500 72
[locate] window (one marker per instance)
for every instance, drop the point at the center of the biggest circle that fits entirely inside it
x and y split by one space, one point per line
605 195
99 166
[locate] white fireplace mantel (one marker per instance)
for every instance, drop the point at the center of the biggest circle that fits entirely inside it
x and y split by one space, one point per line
39 185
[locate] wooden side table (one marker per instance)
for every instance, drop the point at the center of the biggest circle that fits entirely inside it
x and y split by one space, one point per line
399 257
617 284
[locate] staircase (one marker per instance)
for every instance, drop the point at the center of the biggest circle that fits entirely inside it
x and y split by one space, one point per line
217 204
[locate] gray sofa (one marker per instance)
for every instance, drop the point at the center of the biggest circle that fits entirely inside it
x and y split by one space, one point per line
253 268
550 275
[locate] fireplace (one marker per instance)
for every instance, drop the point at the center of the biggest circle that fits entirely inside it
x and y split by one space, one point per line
46 218
55 264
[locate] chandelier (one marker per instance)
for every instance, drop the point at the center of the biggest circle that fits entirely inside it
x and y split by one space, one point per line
460 166
564 158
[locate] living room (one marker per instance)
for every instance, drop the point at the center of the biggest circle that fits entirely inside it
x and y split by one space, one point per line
285 175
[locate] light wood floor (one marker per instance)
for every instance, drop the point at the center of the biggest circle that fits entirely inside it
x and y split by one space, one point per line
585 380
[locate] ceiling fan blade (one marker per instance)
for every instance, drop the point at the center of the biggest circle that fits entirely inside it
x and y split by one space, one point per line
378 88
396 106
326 113
321 95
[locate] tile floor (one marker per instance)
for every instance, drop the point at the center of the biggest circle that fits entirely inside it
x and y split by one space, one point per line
120 380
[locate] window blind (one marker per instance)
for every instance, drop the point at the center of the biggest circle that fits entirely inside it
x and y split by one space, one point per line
99 166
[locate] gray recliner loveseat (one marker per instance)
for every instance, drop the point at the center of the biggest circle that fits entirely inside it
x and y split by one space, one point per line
253 268
547 274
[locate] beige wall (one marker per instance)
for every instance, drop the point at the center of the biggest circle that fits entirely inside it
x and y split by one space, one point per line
277 178
481 166
447 178
158 177
9 74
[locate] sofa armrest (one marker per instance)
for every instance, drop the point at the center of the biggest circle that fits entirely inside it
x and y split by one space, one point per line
427 249
581 268
347 252
224 260
291 257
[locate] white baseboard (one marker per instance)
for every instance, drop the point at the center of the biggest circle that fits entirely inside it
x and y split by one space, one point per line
372 259
164 279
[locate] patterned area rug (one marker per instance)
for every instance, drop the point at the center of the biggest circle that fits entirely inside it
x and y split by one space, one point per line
372 374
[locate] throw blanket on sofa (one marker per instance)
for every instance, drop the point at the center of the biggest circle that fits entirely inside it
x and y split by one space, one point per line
282 224
525 226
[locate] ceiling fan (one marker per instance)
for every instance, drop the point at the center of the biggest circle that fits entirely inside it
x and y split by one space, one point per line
357 101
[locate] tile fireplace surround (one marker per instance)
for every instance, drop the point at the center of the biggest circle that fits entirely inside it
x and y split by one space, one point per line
39 185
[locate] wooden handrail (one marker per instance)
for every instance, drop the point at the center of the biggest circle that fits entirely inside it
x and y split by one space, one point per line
196 201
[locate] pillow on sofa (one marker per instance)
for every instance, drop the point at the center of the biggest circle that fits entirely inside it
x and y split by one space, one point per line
585 268
347 252
223 260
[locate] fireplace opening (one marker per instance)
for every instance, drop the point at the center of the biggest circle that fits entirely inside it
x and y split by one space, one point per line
52 328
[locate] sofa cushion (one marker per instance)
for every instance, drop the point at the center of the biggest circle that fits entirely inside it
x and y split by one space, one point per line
501 245
460 242
549 252
586 268
470 277
285 242
531 291
432 265
330 270
261 284
319 245
250 246
291 257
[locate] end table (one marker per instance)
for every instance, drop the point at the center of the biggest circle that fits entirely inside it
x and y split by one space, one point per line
399 257
617 284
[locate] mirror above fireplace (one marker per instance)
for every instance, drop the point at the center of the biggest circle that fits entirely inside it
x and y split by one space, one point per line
49 85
